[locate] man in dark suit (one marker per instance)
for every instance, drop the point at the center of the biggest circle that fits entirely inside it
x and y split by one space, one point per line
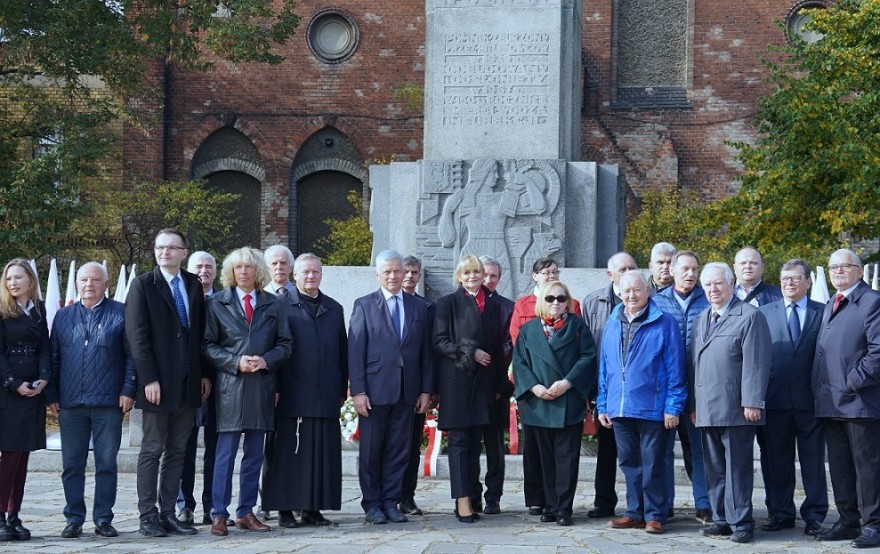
794 325
412 274
499 419
390 368
731 366
165 324
846 383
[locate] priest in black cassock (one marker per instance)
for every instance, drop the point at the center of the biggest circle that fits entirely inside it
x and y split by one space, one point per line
304 470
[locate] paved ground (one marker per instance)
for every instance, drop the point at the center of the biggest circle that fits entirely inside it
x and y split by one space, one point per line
512 532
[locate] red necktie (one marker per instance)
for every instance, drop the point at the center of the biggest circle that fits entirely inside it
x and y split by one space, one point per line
248 309
838 298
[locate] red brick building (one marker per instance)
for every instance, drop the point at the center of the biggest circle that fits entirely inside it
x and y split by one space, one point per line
667 83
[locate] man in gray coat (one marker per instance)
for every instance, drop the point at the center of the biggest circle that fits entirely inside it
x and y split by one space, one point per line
731 355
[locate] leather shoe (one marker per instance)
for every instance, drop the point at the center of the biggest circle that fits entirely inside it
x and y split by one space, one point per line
219 527
704 515
548 517
839 532
375 516
394 515
492 507
251 523
742 536
563 520
600 512
626 522
106 530
287 520
72 531
186 516
150 527
536 510
19 531
5 532
654 527
812 527
409 507
775 524
174 527
314 517
869 538
717 530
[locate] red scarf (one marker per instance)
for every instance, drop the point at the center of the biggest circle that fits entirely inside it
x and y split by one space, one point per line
552 325
480 298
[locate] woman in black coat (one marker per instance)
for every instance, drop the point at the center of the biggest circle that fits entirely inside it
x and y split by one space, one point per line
247 341
24 373
469 338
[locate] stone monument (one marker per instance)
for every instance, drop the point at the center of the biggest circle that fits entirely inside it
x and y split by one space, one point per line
500 174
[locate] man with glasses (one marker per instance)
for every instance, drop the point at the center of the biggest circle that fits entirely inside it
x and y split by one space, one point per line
165 325
598 306
846 382
794 325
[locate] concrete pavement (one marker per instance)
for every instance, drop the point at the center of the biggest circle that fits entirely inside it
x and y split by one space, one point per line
511 532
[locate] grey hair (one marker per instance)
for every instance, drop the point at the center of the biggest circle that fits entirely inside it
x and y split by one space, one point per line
273 250
84 267
633 274
489 260
412 261
386 256
617 256
198 255
853 258
718 266
663 249
304 257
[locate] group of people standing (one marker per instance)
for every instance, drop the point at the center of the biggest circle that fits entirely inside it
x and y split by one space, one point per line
264 364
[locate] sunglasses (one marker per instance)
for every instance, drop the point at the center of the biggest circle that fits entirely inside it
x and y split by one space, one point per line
562 299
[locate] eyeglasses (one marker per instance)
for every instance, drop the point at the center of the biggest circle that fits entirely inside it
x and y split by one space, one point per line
841 267
562 299
794 280
548 273
168 248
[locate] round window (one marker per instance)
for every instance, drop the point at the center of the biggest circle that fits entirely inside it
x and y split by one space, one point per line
798 16
332 36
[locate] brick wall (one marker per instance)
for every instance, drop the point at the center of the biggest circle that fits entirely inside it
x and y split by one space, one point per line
279 107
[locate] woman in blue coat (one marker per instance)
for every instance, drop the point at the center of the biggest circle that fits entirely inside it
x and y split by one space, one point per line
554 367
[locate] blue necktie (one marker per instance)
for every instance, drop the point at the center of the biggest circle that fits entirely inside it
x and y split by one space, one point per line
794 324
395 315
713 321
178 303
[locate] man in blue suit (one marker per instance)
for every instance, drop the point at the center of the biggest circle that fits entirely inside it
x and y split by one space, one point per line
389 361
794 325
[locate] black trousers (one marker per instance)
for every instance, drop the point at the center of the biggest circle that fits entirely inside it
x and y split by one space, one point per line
384 452
854 464
165 437
533 475
186 498
493 441
560 451
785 430
411 475
606 470
463 453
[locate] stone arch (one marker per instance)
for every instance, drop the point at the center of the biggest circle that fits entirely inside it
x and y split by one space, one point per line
228 160
327 165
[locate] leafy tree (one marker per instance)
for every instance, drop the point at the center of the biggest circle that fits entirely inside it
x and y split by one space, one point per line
72 71
125 225
811 179
350 241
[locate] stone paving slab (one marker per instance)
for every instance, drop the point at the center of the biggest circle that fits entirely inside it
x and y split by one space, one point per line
437 532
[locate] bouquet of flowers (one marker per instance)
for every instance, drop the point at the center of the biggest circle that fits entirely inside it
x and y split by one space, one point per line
348 421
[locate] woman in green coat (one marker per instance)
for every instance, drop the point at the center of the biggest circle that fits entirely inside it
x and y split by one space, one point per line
554 365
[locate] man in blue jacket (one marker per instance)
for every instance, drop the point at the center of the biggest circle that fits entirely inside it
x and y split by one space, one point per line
641 394
93 384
